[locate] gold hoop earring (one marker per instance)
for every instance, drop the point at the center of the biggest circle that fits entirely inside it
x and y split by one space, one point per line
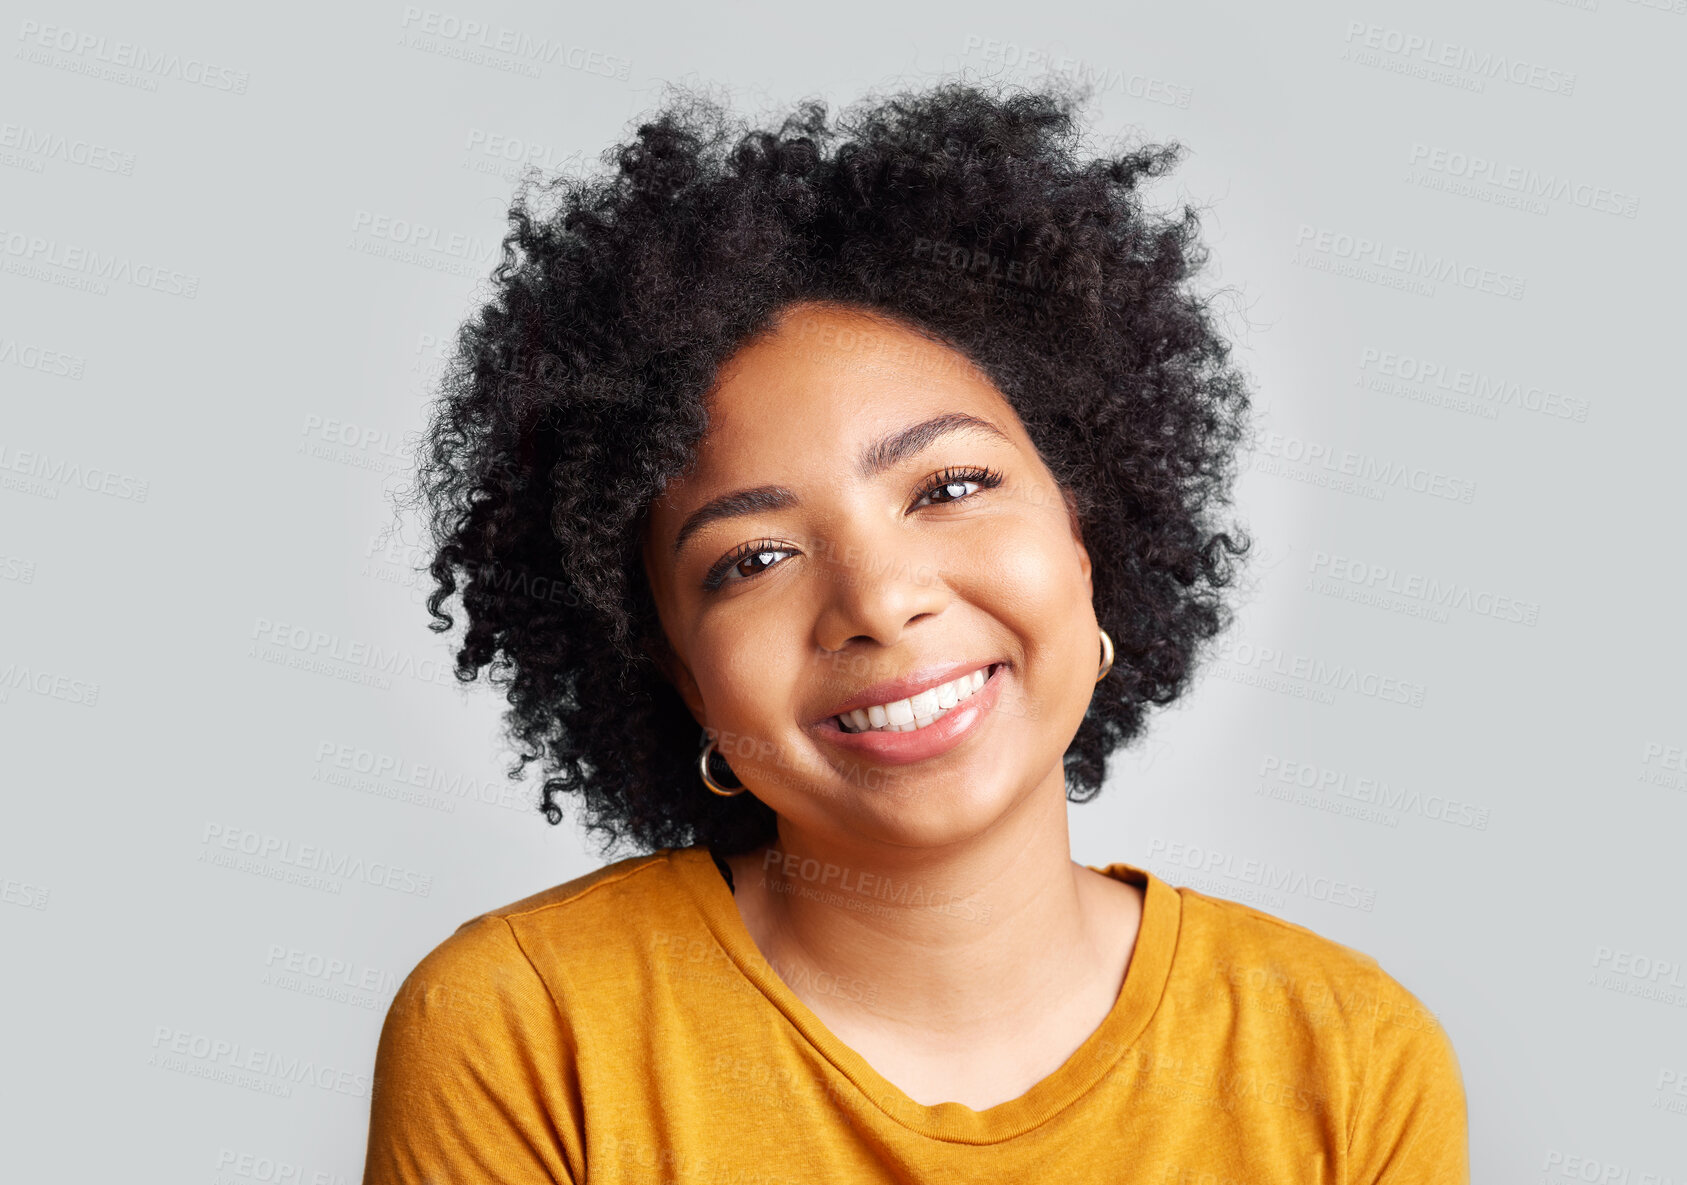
714 786
1106 656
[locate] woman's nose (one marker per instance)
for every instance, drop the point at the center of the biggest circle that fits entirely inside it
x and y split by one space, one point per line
876 584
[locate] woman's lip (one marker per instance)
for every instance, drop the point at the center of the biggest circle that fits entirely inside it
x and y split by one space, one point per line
935 739
909 686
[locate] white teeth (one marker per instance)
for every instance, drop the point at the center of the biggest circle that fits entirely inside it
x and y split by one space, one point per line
917 711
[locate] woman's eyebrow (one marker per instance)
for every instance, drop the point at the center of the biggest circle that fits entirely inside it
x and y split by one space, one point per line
879 455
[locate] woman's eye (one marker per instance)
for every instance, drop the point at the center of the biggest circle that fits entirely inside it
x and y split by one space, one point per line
950 491
764 557
731 569
952 486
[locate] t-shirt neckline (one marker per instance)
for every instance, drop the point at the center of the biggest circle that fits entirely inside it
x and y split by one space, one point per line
1139 996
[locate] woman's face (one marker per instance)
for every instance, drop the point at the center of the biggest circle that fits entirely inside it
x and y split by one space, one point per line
880 556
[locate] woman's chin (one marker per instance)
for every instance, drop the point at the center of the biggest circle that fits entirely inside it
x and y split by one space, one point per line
935 812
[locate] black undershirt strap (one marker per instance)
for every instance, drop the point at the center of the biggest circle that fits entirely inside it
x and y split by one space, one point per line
725 870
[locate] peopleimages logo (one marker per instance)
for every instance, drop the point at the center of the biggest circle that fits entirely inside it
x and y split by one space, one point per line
1664 765
390 775
318 651
422 236
1363 251
40 145
1490 390
809 877
519 50
1101 78
285 855
32 253
46 474
1370 791
1529 183
129 55
1415 586
27 356
1670 972
1641 976
23 894
1263 873
235 1056
1434 52
1564 1166
20 676
330 971
1316 673
514 150
1361 473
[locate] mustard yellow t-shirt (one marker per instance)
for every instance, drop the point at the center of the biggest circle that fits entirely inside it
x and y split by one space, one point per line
625 1027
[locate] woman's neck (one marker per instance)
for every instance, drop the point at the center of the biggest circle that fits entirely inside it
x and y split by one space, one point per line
1001 941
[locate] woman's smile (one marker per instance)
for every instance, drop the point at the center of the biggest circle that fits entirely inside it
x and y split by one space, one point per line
922 726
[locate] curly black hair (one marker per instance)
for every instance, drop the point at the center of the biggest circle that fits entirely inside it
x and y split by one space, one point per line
576 393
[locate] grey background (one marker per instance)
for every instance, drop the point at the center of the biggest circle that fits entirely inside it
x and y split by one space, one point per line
213 345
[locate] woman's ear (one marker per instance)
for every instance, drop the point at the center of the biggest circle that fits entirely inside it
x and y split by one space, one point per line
1075 522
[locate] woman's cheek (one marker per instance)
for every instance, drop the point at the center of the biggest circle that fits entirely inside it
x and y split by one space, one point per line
1033 565
1037 590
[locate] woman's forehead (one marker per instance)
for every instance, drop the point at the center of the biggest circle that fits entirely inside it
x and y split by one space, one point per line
865 341
822 376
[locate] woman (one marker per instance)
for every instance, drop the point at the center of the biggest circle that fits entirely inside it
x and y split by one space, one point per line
887 451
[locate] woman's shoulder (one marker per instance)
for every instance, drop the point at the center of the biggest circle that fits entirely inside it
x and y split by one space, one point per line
1288 1017
633 883
1319 1002
477 1061
1255 958
1379 1045
1243 942
526 943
